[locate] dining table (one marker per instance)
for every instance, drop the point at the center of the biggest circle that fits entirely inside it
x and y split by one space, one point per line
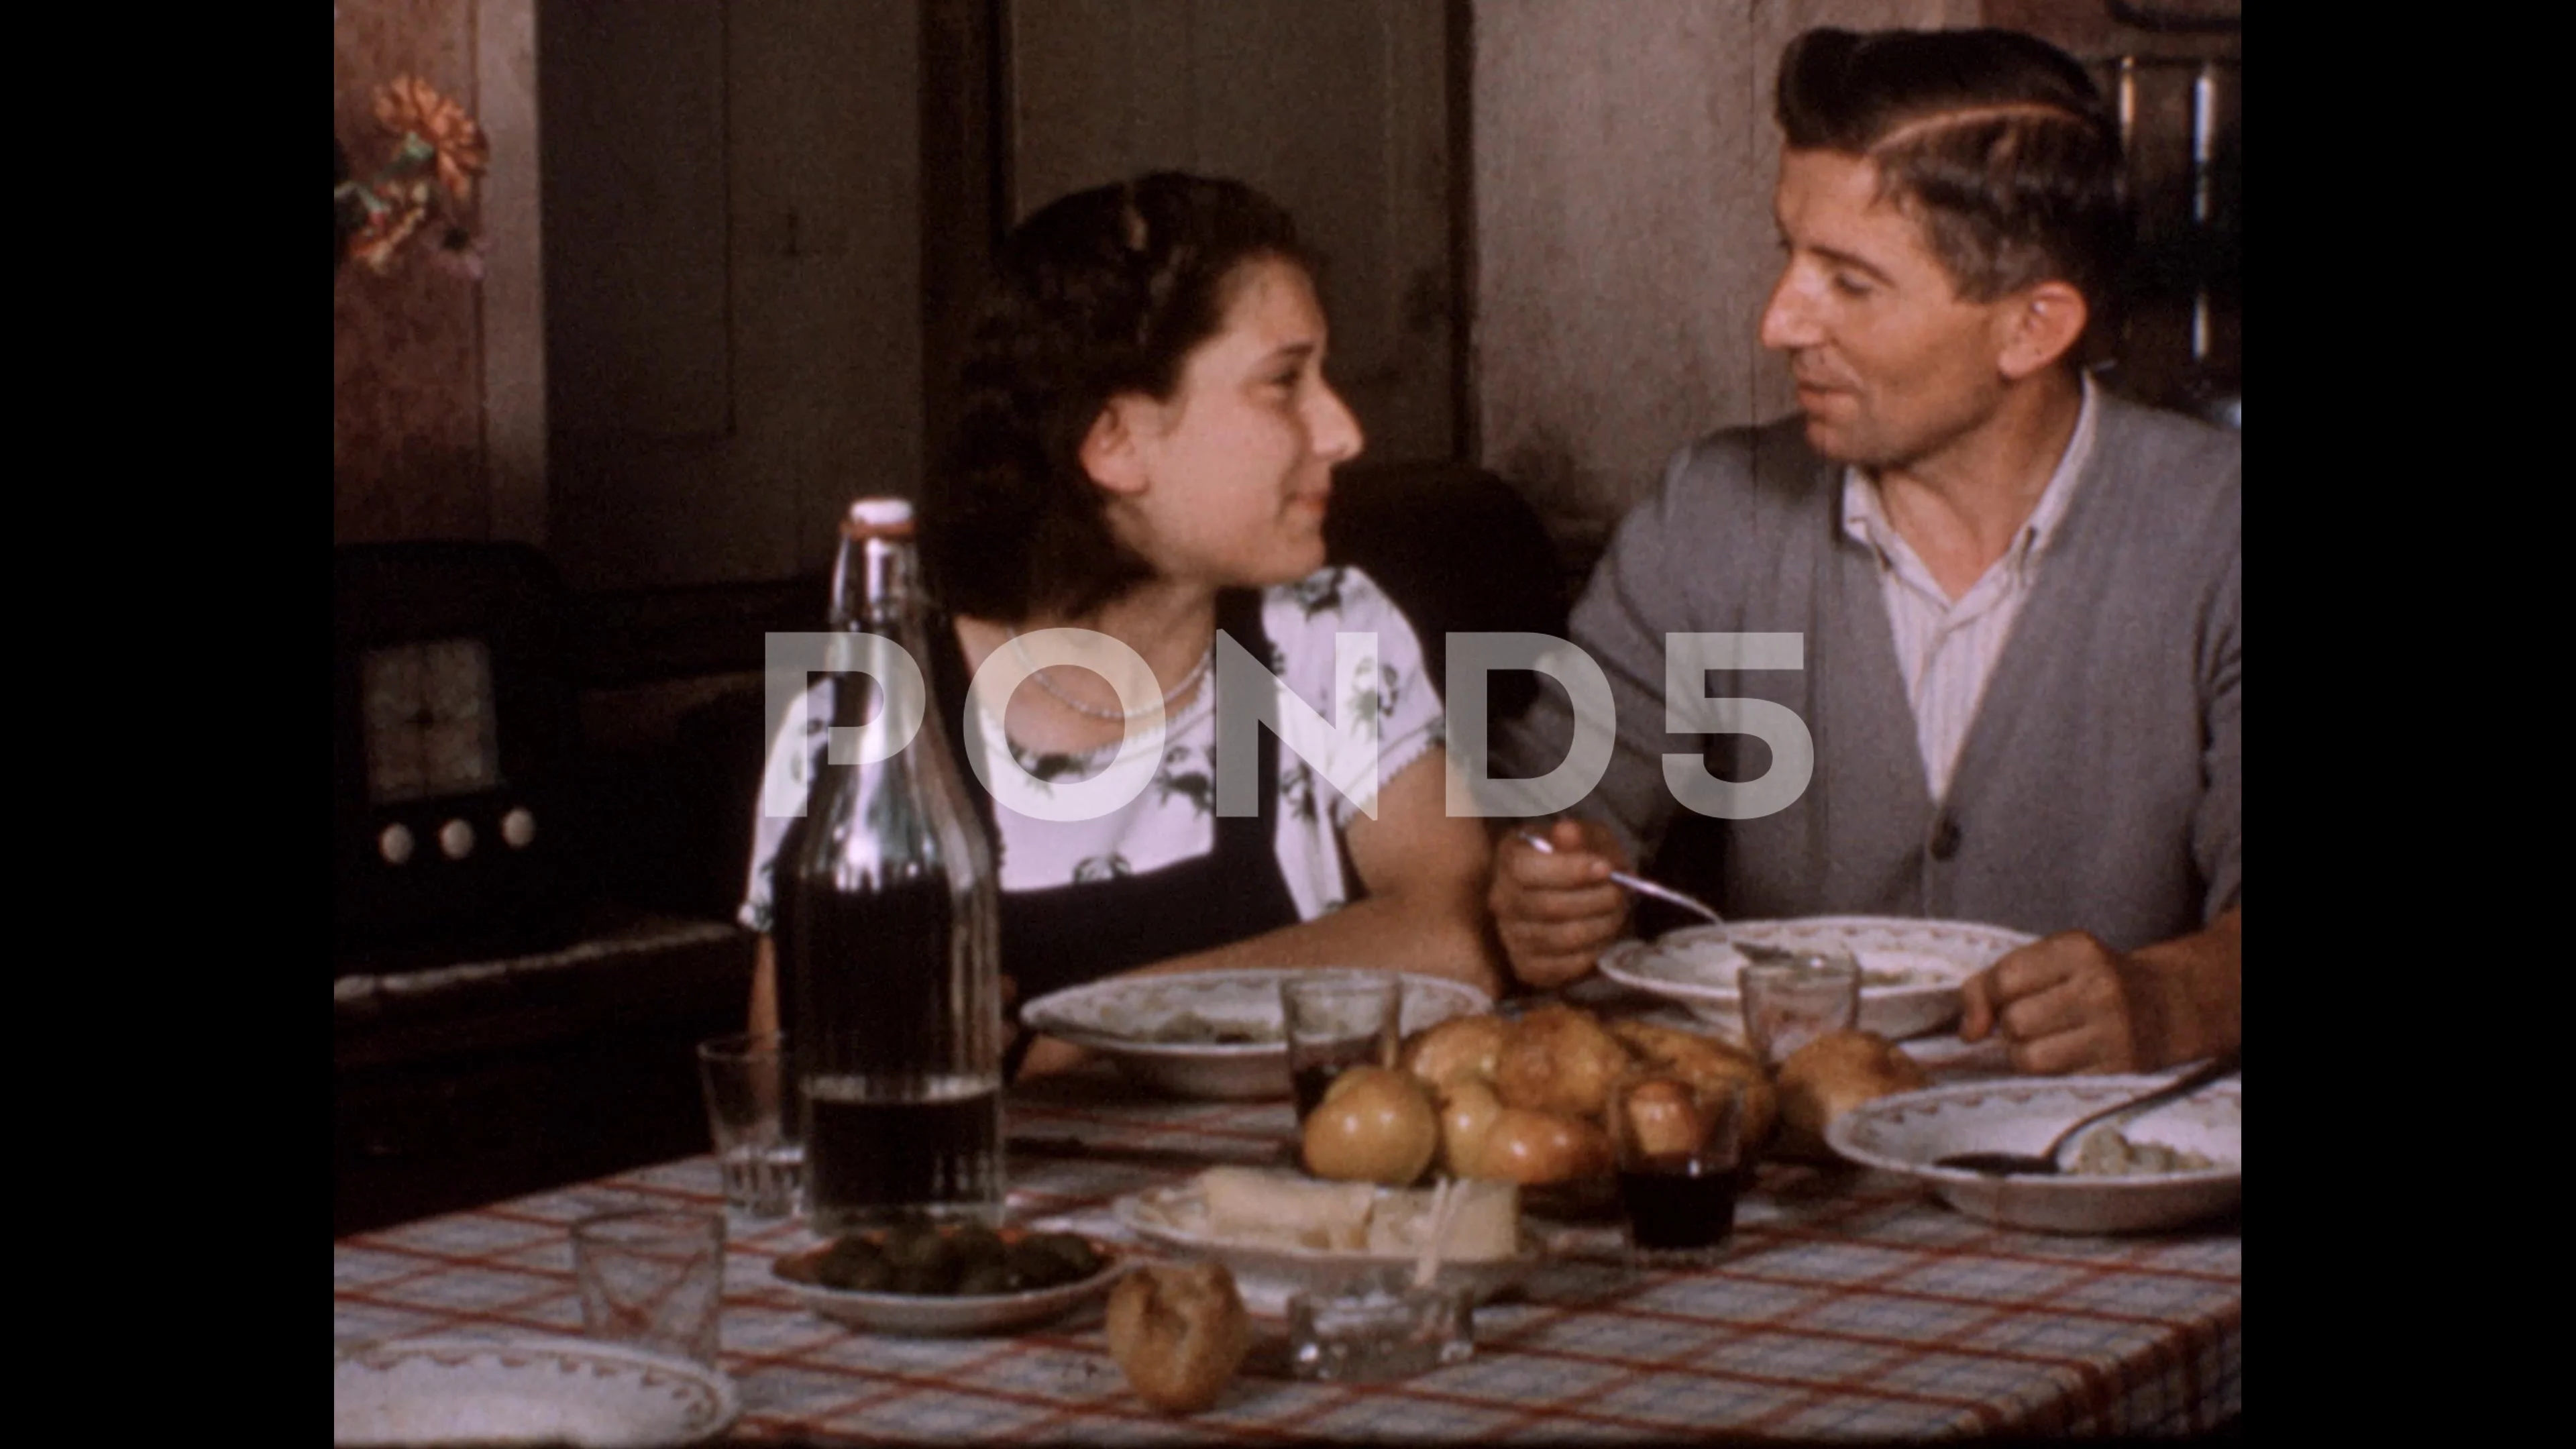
1846 1304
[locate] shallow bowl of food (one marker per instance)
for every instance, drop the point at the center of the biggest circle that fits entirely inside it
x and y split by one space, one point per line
2167 1167
1911 968
1300 1251
1210 1034
1041 1276
529 1390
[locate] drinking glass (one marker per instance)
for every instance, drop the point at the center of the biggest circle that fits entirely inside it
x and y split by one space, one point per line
754 1124
1377 1326
1788 1004
1335 1020
652 1277
1680 1165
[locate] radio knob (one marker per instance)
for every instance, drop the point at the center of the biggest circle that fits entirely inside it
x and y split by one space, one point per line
519 827
395 844
455 839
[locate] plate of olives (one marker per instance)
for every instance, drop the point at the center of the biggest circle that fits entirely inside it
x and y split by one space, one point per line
926 1281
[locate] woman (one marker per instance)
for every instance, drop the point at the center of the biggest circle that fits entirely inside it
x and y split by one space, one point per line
1147 451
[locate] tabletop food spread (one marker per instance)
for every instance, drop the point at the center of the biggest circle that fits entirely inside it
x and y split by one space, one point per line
1165 1238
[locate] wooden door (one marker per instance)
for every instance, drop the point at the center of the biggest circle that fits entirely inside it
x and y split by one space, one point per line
733 304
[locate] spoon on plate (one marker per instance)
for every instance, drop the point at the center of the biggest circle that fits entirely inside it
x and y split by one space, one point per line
2043 1163
1644 887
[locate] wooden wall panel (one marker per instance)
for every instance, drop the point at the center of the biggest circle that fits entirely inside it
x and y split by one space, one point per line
406 365
733 244
514 278
636 186
1624 162
438 382
1336 109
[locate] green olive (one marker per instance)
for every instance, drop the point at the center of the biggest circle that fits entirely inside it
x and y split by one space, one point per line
854 1264
1073 1250
976 1245
933 1279
1035 1267
921 1246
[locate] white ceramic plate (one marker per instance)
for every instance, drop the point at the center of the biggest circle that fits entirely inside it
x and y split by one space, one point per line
525 1391
1211 1033
921 1315
1906 1132
1919 965
1266 1273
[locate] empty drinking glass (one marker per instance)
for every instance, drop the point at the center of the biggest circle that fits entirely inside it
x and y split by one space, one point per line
652 1277
753 1122
1788 1004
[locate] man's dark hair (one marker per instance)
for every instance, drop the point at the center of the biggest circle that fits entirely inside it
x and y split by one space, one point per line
1996 142
1101 293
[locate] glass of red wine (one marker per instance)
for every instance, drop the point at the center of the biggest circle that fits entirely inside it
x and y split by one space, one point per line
1335 1020
1680 1166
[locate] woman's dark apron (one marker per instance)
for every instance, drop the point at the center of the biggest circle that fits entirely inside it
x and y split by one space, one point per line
1066 935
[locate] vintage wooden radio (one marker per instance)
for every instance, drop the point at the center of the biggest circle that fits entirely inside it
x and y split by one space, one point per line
451 733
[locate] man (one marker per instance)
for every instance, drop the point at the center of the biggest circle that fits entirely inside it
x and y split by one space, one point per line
2016 596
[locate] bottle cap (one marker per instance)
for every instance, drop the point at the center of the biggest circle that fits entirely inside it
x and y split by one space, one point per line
878 518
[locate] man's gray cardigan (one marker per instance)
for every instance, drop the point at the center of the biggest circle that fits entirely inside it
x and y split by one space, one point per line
2101 783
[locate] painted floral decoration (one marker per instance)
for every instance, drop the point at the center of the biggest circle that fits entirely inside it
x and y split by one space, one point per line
424 190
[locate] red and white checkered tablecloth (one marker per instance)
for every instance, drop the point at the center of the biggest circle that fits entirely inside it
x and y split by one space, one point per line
1849 1305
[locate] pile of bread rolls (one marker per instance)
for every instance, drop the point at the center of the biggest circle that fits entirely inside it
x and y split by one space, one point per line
1529 1100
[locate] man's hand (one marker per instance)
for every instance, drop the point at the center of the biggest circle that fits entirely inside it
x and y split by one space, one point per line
2064 1004
2071 1004
1554 912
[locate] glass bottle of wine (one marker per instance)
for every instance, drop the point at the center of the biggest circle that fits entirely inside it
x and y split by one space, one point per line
888 923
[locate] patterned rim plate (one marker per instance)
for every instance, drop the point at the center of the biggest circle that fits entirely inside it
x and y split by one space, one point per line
1696 967
525 1391
919 1315
1268 1274
1906 1132
1211 1033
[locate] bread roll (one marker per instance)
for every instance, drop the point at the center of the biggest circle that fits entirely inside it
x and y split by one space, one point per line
1178 1333
1558 1059
1535 1148
1664 1116
1714 1070
1466 1118
1375 1124
1461 1049
1835 1073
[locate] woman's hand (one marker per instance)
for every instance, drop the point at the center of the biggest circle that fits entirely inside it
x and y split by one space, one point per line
1048 1054
1425 872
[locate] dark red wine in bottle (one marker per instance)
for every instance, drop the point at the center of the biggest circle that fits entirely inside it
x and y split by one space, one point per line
888 935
